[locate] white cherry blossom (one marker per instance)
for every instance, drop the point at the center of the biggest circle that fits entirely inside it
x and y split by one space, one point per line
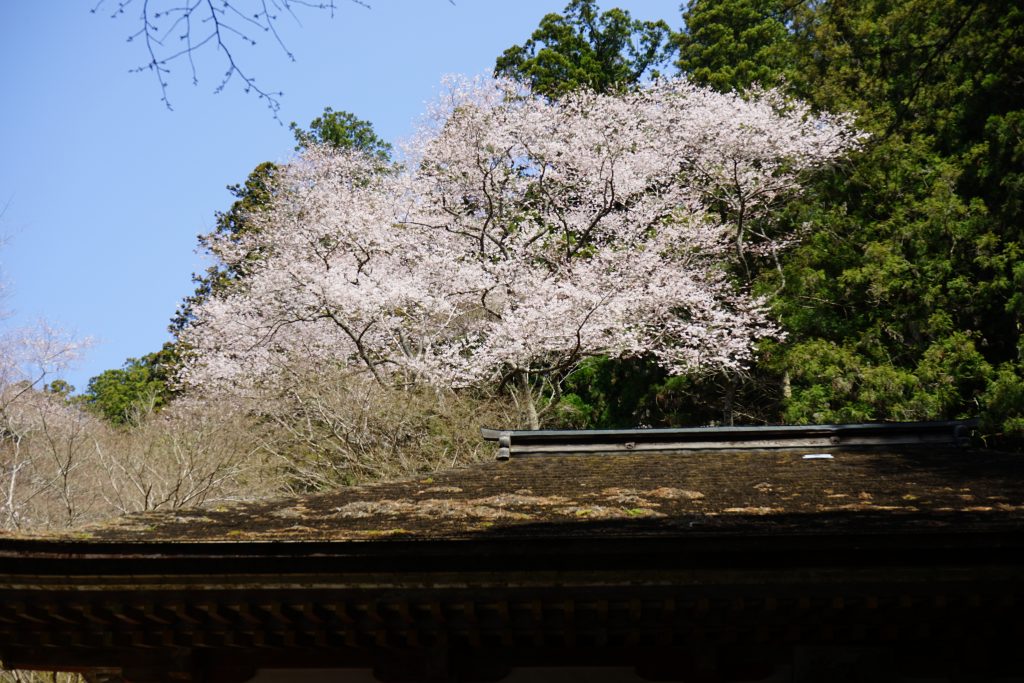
520 237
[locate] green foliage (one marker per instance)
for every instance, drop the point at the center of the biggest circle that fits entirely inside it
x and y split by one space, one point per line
836 383
59 387
139 386
612 393
733 44
1004 404
585 48
250 197
626 393
342 130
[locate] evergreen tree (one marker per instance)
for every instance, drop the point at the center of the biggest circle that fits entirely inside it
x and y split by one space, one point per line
903 301
586 48
733 45
136 388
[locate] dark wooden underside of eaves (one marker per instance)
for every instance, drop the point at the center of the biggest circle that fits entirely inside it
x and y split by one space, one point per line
676 608
687 569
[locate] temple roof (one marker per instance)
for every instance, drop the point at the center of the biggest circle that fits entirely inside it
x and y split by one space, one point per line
697 492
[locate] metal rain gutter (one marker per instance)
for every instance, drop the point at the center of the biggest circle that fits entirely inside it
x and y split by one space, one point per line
519 443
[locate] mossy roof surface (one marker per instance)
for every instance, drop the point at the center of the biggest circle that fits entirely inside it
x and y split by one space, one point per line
697 492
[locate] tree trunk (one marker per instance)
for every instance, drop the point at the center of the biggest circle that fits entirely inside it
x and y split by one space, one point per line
526 398
727 400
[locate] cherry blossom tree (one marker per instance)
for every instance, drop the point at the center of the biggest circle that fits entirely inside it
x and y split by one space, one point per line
521 237
28 357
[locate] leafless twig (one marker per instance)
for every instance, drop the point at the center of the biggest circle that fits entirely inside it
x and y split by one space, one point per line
177 30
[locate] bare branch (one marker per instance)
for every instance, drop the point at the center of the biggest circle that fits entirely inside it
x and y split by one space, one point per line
223 24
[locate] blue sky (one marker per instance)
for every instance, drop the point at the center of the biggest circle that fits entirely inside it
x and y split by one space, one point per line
106 190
